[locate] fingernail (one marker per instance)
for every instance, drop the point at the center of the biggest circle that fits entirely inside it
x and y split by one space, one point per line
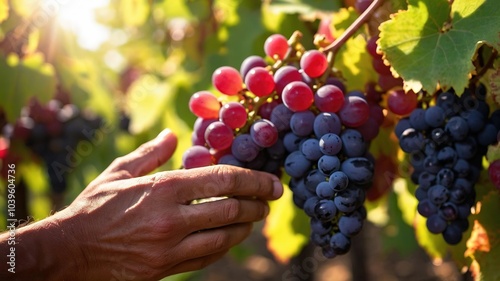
277 188
163 134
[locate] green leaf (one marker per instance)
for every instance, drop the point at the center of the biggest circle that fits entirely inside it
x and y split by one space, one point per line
4 10
286 228
146 100
304 6
432 43
352 59
22 79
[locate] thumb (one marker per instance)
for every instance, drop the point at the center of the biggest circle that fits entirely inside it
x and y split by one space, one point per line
148 156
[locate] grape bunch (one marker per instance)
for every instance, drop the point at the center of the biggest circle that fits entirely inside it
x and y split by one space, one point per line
289 113
52 132
446 143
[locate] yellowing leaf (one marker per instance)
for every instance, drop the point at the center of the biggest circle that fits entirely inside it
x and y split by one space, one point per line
352 59
432 43
286 228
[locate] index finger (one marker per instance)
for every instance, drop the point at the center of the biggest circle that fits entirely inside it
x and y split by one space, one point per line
221 180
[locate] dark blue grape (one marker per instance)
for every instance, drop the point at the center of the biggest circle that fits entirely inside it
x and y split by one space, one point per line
402 125
426 180
229 159
339 181
325 123
340 243
448 102
436 224
466 149
457 128
420 194
435 116
302 122
328 164
411 141
325 210
349 200
313 178
292 142
277 151
353 144
431 164
447 155
310 205
439 136
350 225
311 149
449 211
488 135
359 170
280 116
475 120
296 164
426 208
325 191
320 227
417 120
445 177
438 194
330 144
452 234
320 240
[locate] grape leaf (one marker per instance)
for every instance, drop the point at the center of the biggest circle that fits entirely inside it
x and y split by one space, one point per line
286 228
433 43
22 79
4 10
352 59
493 83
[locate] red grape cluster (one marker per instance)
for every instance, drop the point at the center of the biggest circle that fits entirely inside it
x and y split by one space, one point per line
287 112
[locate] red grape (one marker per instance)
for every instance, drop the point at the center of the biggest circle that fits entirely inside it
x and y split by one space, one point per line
284 76
204 104
297 96
401 103
276 45
259 81
219 136
355 111
227 80
264 133
196 156
329 98
233 114
314 63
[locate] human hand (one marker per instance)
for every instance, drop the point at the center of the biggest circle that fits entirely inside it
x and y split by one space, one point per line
127 225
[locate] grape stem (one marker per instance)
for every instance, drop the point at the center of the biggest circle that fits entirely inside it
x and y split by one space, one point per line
487 65
365 16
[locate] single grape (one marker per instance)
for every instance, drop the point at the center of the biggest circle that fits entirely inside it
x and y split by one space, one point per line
196 156
353 142
355 112
350 225
297 96
324 190
338 180
281 116
296 164
401 103
314 63
359 170
259 81
302 123
328 164
233 114
276 46
330 144
227 80
264 133
329 98
311 149
219 136
325 123
205 105
244 149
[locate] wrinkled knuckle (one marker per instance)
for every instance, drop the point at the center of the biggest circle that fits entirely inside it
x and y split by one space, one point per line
220 241
118 163
231 210
225 178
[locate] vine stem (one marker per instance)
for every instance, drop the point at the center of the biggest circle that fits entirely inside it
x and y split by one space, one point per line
339 42
486 66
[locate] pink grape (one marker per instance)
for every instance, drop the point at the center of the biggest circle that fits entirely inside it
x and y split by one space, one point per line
297 96
314 63
355 111
219 136
204 104
196 156
227 80
401 103
329 98
380 67
276 45
264 133
371 47
387 82
377 114
233 114
369 130
259 81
